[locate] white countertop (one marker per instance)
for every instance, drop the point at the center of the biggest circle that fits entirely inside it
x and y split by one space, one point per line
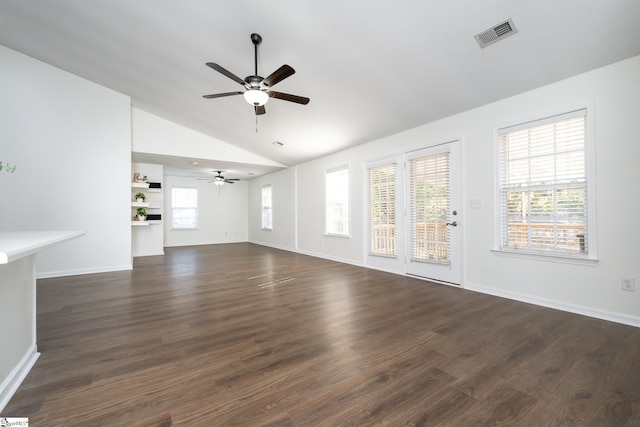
19 244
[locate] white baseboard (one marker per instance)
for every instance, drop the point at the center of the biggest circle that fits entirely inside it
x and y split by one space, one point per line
78 272
558 305
10 385
386 270
271 245
331 258
530 299
149 254
309 253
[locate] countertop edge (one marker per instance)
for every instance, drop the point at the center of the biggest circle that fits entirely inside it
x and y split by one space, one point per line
19 244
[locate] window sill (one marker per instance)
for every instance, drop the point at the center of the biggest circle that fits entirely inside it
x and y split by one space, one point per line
266 229
383 255
592 262
343 236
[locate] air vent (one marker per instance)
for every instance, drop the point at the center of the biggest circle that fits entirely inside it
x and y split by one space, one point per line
496 33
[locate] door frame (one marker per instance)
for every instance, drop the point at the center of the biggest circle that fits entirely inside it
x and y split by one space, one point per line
456 167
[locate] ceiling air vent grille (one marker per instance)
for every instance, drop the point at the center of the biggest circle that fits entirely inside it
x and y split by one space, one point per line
496 33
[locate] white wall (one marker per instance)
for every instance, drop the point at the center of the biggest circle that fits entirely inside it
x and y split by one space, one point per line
18 331
153 134
283 234
615 92
71 142
222 213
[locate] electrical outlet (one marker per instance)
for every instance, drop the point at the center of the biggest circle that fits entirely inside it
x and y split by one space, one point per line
475 204
628 284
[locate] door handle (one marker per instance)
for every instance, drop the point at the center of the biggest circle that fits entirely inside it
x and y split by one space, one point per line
454 223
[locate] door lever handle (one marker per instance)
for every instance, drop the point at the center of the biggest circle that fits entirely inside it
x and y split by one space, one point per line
454 223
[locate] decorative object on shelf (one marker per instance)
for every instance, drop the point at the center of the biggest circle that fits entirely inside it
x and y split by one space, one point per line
139 177
140 197
7 168
141 214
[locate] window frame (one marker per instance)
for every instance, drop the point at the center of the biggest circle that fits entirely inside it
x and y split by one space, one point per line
266 209
194 225
591 256
346 217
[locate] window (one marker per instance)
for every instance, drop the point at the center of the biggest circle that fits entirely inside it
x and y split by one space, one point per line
184 208
382 210
337 201
429 207
266 207
544 200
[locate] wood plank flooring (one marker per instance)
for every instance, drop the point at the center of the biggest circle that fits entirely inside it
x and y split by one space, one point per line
239 334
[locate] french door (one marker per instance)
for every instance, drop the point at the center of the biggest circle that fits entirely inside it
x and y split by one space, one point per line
434 236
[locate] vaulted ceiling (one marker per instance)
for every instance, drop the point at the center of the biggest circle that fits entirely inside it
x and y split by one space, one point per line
371 67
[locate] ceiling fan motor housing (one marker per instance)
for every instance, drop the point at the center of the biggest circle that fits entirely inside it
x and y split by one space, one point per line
253 81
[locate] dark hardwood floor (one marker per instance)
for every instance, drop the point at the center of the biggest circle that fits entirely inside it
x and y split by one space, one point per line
240 334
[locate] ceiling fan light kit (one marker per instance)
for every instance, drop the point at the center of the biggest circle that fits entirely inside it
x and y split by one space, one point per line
256 97
257 89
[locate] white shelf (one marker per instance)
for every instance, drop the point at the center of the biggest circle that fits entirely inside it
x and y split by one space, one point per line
139 205
154 221
139 185
139 223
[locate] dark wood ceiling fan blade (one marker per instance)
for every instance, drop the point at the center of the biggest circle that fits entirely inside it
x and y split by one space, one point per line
226 72
229 181
288 97
278 75
220 95
260 110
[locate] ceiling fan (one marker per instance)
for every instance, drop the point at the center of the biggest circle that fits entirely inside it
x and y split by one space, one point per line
257 89
219 179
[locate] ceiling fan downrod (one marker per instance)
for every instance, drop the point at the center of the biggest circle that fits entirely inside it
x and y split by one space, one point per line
256 39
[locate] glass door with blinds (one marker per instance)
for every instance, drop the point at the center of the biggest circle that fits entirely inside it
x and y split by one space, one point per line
434 236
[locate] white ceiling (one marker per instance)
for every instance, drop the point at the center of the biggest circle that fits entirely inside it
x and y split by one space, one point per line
372 68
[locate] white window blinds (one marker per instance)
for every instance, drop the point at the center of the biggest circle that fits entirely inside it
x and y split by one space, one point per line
184 208
337 201
382 210
429 208
543 186
266 207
